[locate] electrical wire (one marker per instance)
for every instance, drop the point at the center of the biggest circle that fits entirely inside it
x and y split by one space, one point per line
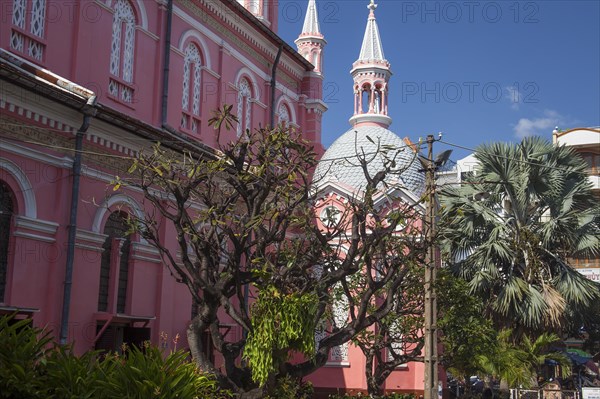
475 151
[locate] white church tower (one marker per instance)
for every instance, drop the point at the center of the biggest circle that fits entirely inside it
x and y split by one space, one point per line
371 73
311 42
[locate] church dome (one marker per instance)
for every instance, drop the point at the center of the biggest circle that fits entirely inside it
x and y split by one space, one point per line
340 163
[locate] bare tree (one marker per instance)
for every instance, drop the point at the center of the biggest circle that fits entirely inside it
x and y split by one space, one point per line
247 246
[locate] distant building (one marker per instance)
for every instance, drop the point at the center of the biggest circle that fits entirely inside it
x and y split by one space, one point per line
586 141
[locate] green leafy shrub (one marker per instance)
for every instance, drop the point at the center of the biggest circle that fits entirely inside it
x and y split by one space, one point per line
361 396
22 359
72 377
144 374
291 388
32 367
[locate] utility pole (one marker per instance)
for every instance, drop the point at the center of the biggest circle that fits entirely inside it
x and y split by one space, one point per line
431 355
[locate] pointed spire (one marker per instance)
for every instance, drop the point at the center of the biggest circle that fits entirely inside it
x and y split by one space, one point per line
311 21
371 47
311 42
371 74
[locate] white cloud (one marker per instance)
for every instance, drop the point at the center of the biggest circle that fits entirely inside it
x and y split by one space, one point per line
538 126
514 96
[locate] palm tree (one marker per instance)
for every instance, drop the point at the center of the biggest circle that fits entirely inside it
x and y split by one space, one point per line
519 364
511 229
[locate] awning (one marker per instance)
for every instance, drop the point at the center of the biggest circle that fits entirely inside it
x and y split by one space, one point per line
110 318
4 310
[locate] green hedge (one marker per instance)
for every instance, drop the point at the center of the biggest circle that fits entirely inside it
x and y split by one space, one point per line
32 367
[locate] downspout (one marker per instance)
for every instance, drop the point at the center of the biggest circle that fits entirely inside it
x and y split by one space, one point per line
273 83
89 112
166 63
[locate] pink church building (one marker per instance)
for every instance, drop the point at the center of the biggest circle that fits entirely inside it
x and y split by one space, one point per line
339 179
103 79
85 86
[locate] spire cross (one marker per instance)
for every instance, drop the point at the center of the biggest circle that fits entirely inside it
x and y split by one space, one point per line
372 6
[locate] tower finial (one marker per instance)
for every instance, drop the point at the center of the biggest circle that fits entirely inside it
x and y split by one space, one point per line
372 6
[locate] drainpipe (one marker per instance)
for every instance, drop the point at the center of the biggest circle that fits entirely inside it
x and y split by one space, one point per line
88 112
273 83
166 62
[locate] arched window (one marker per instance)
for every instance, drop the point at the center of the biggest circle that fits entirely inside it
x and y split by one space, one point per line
192 81
28 20
115 257
365 99
244 113
340 309
122 52
284 114
6 212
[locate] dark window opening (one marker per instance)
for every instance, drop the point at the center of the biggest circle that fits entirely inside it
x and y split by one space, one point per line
117 244
116 337
6 212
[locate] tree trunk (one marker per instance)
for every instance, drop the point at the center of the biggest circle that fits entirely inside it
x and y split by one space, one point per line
197 349
373 387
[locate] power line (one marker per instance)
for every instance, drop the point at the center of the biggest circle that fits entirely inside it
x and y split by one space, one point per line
476 151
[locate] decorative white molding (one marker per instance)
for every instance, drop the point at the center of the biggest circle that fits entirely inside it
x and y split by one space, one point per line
24 185
117 199
337 364
250 76
59 162
146 252
284 99
199 40
90 236
36 237
143 16
211 72
40 226
90 241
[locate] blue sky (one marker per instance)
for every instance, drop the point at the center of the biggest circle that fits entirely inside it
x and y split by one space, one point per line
478 71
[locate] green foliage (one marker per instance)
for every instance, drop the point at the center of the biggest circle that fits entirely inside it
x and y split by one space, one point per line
514 244
466 332
290 388
143 374
69 376
32 367
360 396
518 363
280 323
22 359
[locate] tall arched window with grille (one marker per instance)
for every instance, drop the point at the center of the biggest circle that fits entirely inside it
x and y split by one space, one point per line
244 111
28 26
115 258
6 212
122 52
284 114
192 84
